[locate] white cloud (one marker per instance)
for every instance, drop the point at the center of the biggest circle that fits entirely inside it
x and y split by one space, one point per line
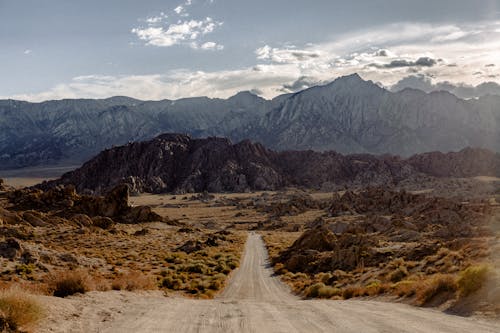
172 85
27 51
179 9
211 46
390 52
459 51
181 33
156 19
287 55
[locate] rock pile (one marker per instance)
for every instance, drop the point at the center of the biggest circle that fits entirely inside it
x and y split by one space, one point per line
383 225
68 204
320 250
295 204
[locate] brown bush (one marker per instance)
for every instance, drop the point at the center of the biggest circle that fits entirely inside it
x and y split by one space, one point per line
134 281
433 286
319 290
472 279
18 310
405 288
62 284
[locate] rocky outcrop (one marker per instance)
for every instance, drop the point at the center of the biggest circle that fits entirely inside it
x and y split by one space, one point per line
384 225
84 210
10 248
466 163
319 249
179 163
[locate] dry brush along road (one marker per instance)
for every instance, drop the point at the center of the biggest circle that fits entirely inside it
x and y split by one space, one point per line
253 301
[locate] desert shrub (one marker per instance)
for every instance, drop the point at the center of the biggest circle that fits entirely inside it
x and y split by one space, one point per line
18 310
198 286
232 264
405 288
216 284
321 291
375 288
222 268
398 274
350 292
433 286
171 282
328 292
313 291
133 281
196 267
24 270
280 269
62 284
324 277
472 279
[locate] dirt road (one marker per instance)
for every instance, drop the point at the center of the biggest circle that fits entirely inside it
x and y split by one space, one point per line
254 301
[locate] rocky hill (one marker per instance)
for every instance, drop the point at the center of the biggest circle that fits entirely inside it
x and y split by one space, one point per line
349 115
180 163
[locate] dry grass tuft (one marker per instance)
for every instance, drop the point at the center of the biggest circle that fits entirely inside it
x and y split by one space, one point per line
321 291
62 284
472 279
18 310
429 288
405 288
134 281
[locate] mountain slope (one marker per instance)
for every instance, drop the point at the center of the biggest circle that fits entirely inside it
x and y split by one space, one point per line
74 130
349 115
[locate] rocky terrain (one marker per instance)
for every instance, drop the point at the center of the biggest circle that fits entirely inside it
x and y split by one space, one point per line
412 246
349 115
179 163
104 243
361 243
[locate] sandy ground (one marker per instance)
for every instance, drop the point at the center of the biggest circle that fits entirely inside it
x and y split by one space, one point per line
254 301
33 175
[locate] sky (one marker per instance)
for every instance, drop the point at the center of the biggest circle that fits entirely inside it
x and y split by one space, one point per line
163 49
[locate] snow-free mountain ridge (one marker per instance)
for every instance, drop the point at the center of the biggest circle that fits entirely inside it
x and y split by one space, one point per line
348 115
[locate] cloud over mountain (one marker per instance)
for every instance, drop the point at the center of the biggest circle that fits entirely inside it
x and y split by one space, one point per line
462 90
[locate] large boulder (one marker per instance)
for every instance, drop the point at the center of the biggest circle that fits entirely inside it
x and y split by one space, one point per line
8 217
10 248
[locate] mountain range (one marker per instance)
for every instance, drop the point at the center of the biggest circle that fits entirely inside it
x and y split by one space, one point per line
348 115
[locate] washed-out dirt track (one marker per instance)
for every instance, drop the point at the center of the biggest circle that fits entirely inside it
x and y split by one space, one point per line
256 301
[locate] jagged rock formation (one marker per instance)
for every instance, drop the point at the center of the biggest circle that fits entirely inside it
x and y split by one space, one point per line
418 224
82 209
349 115
466 163
179 163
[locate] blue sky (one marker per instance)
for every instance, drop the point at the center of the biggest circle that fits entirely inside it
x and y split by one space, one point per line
56 49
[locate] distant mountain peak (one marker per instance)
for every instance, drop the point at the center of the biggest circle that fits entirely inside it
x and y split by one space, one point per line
245 94
353 81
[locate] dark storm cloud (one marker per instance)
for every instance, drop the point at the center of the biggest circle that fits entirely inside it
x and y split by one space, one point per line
420 62
381 53
462 90
301 83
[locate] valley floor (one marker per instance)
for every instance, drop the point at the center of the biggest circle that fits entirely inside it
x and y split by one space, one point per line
254 301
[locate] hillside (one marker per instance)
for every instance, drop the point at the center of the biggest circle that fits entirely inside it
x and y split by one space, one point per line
349 115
